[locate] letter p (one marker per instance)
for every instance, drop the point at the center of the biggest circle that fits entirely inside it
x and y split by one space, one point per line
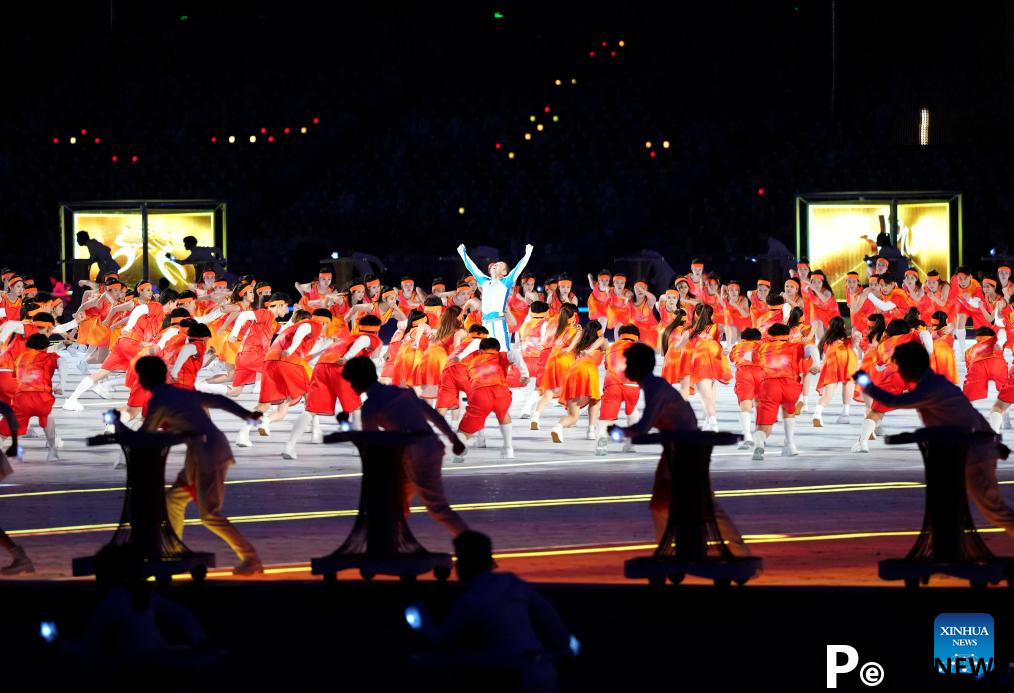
851 660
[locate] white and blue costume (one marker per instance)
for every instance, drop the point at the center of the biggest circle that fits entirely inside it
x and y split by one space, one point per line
495 293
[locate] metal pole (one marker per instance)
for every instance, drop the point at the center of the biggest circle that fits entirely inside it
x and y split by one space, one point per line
144 241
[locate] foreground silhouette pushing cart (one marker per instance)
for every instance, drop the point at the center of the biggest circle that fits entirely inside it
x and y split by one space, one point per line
948 542
381 542
144 522
692 543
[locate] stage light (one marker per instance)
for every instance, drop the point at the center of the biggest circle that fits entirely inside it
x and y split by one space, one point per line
924 125
531 118
510 155
115 159
461 210
558 82
539 127
98 140
56 140
760 192
232 139
253 139
605 43
316 121
334 255
652 155
498 145
73 140
286 131
621 44
647 145
498 15
612 54
665 144
271 138
83 131
573 81
528 135
556 119
264 131
133 159
214 139
591 54
302 130
546 109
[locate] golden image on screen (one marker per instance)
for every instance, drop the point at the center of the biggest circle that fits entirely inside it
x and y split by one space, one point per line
121 231
840 236
924 236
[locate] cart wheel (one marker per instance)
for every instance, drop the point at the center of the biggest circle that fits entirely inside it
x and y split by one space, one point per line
408 578
330 577
199 572
723 584
656 581
366 575
441 573
977 584
912 583
676 578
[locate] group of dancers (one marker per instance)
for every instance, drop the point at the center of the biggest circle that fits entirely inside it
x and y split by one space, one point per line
493 335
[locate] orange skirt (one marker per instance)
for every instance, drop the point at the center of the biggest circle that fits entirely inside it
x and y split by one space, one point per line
556 370
676 365
942 359
868 364
405 363
709 362
431 366
581 380
648 333
91 332
840 362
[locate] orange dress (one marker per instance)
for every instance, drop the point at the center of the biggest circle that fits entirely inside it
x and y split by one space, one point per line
91 331
840 362
618 311
823 310
677 361
559 361
942 359
643 316
408 357
582 379
431 364
709 361
736 318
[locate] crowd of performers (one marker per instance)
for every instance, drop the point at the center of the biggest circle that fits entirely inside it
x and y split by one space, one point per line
785 347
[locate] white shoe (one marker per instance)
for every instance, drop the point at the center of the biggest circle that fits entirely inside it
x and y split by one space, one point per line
288 454
758 453
73 405
480 440
818 421
109 428
243 439
264 426
842 419
34 432
710 424
878 431
52 455
557 434
317 436
628 445
590 435
790 451
602 447
102 390
507 453
745 445
1007 419
59 443
526 415
860 447
82 366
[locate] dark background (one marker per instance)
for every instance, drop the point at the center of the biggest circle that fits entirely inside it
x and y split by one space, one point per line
412 99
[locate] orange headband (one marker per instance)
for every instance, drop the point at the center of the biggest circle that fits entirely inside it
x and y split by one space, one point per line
1003 267
603 276
221 282
245 290
852 274
682 280
408 282
469 278
272 304
793 280
991 282
672 292
697 265
389 292
619 276
372 283
177 321
209 273
15 280
464 290
264 291
735 284
185 301
370 329
321 319
437 287
639 283
565 283
325 273
803 264
911 272
357 287
142 286
6 274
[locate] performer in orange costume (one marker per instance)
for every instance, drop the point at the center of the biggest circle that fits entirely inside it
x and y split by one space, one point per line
598 301
984 363
618 390
642 314
838 365
749 375
581 387
783 362
561 340
33 371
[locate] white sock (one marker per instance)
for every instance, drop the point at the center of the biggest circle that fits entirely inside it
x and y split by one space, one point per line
996 420
82 387
211 388
356 419
298 429
818 411
633 417
789 422
602 427
315 425
744 422
846 408
869 425
507 432
758 439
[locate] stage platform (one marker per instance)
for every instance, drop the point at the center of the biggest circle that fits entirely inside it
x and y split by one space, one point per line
556 513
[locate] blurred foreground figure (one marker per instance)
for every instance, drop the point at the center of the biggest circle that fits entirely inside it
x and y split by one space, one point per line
21 563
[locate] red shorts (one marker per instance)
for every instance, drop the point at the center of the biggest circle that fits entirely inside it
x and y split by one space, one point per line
775 393
748 382
8 386
283 381
121 355
28 405
453 381
328 385
894 384
615 394
1006 393
248 365
139 397
483 401
979 374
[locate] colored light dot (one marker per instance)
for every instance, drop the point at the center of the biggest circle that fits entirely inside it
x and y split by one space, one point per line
647 145
214 139
56 140
264 131
605 43
302 130
528 135
539 127
73 140
546 109
286 131
498 145
253 139
232 139
83 131
461 210
665 144
556 119
612 54
558 82
271 138
760 192
98 140
115 159
133 159
316 121
531 118
621 44
652 155
573 81
510 155
591 54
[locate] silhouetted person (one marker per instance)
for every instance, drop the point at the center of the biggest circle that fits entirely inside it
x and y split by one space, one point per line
98 253
208 459
666 410
203 257
21 563
391 408
500 630
939 402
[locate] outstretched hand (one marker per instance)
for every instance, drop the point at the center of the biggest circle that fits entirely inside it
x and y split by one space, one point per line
461 248
529 248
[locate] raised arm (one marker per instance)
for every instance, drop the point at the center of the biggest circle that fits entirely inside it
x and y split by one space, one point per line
479 275
519 268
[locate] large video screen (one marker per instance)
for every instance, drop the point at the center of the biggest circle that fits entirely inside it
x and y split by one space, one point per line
121 232
841 236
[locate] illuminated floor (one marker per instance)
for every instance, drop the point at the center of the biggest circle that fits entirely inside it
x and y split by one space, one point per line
824 517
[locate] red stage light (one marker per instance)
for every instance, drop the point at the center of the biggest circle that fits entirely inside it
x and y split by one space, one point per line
83 131
604 44
612 54
133 159
652 155
264 131
498 145
316 121
546 109
214 139
591 54
271 138
760 192
286 131
115 159
56 140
